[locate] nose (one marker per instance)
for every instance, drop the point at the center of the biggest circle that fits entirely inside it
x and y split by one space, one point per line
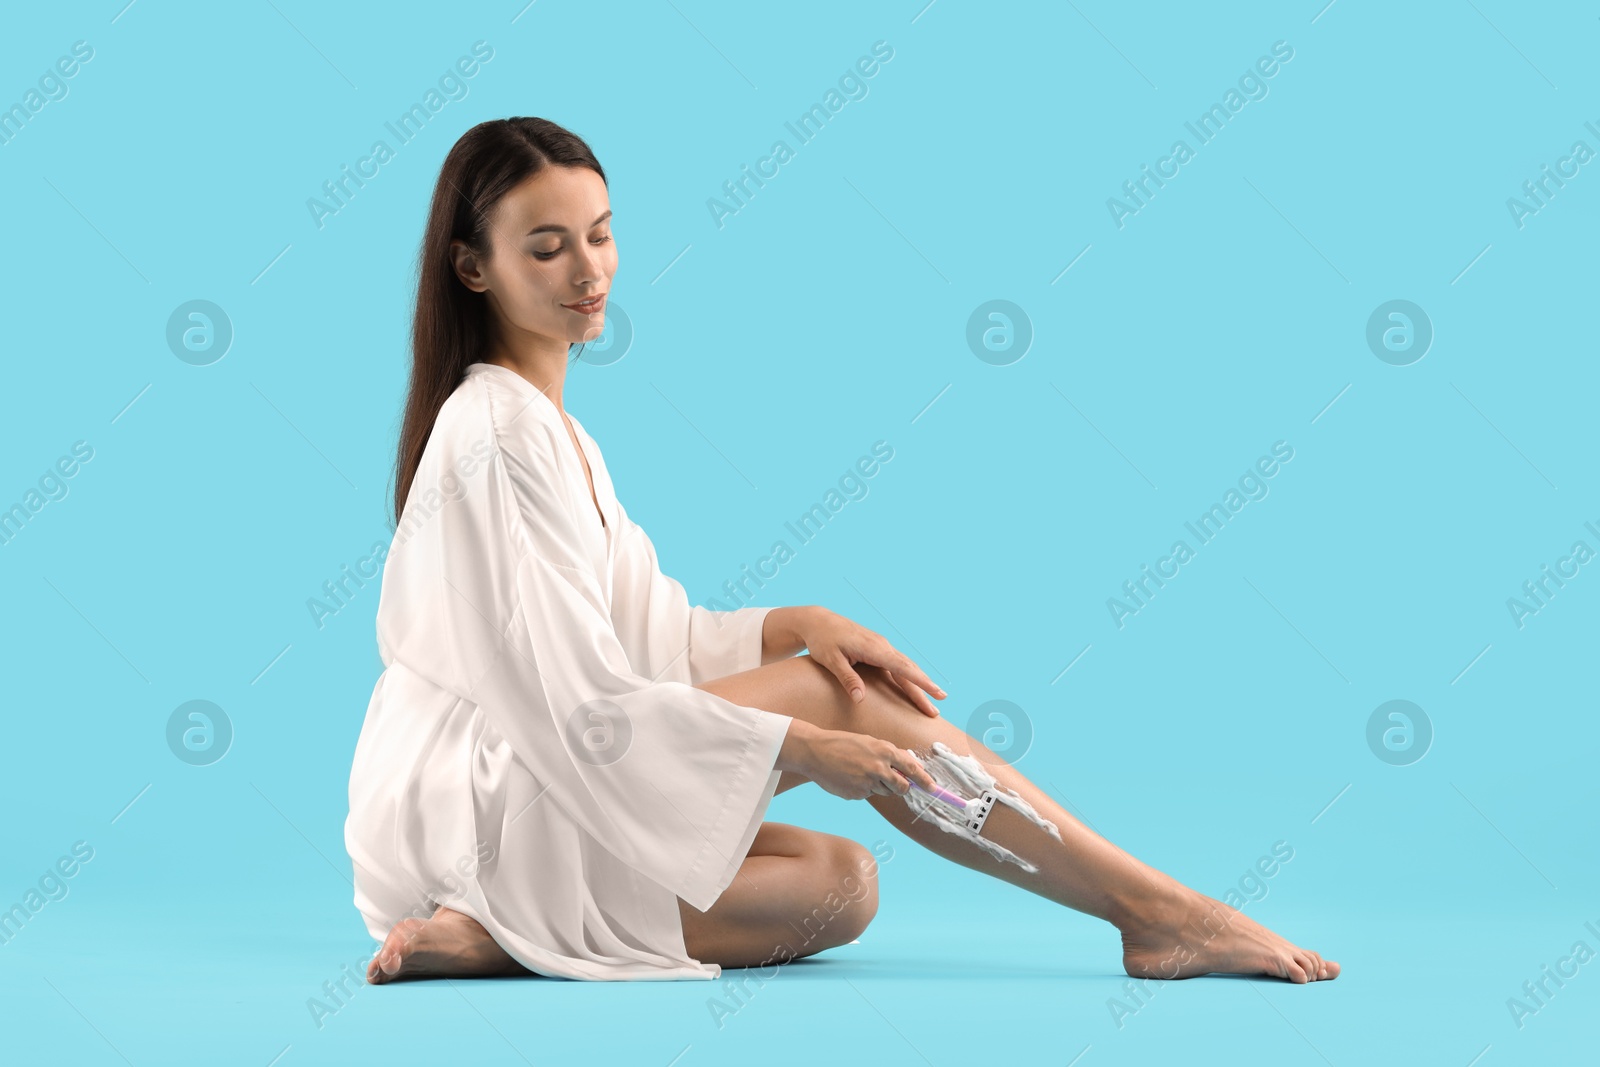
590 265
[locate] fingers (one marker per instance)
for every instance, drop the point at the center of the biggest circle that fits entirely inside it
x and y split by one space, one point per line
840 666
907 768
907 675
918 678
891 784
914 683
915 695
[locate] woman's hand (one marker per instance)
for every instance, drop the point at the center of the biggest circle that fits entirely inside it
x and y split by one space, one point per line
856 766
837 643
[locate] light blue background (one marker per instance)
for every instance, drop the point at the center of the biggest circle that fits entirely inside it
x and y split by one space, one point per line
830 313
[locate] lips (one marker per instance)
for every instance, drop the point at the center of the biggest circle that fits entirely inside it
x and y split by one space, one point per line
589 306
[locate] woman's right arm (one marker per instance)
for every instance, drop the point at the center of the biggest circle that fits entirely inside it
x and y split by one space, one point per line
849 765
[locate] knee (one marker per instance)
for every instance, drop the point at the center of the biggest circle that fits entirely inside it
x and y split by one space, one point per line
840 897
856 882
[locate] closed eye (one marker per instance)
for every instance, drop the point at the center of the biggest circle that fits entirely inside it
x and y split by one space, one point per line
557 252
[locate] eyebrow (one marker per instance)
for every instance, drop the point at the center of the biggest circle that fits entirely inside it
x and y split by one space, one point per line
550 226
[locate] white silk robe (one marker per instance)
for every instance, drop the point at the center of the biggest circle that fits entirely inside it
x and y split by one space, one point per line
535 754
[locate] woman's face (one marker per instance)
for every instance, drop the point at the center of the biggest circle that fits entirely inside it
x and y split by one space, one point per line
550 248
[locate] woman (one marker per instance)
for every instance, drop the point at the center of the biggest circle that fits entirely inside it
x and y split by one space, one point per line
564 765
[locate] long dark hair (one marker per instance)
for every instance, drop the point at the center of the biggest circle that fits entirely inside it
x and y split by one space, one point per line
451 327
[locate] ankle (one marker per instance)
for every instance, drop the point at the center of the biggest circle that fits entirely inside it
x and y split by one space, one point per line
1151 903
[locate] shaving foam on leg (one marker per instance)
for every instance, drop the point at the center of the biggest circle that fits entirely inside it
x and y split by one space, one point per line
967 778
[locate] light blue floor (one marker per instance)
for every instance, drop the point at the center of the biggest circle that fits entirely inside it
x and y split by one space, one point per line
174 959
1027 986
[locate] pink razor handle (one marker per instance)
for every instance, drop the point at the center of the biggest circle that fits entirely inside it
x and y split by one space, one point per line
944 795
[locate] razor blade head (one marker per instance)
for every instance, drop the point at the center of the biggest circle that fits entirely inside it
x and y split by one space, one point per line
978 810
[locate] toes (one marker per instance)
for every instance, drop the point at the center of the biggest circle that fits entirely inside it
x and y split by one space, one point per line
1332 968
385 963
375 975
1294 970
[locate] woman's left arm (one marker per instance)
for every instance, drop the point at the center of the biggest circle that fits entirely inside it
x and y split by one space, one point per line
662 632
838 643
779 637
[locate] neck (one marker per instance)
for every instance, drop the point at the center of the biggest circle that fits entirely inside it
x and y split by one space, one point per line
542 361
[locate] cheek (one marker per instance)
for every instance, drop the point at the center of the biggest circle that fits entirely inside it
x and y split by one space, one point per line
523 297
532 292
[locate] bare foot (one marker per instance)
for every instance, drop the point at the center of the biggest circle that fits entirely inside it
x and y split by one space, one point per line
1191 934
447 944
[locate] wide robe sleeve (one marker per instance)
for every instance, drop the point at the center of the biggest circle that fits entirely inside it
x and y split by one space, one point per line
493 596
658 626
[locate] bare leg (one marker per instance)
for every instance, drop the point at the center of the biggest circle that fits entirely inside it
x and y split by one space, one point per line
1168 930
798 892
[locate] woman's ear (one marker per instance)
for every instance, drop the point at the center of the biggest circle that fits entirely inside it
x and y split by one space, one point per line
467 266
